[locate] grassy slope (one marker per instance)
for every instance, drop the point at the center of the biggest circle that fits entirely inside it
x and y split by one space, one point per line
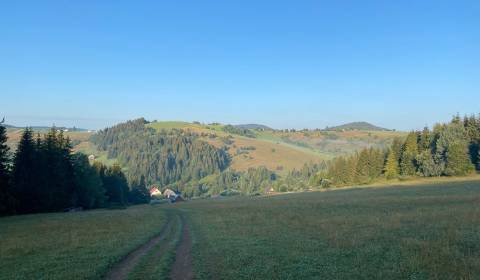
72 245
416 232
284 155
282 151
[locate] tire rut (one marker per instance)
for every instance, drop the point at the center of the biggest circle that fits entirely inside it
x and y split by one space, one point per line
182 268
122 269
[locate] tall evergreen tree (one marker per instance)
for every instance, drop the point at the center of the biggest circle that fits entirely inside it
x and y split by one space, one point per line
452 149
391 167
425 140
458 159
25 177
427 166
58 178
90 192
139 193
116 185
409 153
472 128
6 199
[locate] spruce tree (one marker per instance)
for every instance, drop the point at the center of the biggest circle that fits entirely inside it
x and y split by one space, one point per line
139 193
116 185
409 153
6 199
391 167
89 191
25 181
452 149
458 159
427 166
425 140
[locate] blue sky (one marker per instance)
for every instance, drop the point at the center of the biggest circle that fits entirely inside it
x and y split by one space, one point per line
398 64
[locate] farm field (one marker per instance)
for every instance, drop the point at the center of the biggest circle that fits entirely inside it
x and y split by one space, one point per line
426 231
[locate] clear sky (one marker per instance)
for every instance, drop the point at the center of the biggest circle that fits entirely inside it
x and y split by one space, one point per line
397 64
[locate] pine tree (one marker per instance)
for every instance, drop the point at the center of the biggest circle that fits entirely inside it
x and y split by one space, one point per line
458 159
6 199
90 192
452 149
363 167
425 140
391 167
139 193
25 182
116 185
409 153
427 166
472 128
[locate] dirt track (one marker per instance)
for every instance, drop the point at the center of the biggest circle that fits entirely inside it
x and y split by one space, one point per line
182 267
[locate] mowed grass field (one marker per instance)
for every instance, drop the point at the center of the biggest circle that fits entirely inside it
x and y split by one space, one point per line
425 231
405 232
81 245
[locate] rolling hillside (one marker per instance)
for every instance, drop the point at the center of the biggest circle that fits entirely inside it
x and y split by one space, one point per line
278 150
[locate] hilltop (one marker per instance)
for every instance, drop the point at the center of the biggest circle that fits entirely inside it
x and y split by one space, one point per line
365 126
253 126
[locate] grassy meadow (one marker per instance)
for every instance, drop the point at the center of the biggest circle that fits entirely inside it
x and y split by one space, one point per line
404 232
430 230
79 245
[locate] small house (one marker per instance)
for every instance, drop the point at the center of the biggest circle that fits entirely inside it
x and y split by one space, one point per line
168 193
173 196
154 191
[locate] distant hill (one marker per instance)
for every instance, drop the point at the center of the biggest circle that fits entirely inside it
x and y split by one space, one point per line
46 128
253 126
357 126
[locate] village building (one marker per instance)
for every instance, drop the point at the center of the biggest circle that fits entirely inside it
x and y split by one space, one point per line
173 196
168 193
154 191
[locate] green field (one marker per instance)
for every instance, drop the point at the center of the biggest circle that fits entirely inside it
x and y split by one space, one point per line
73 245
425 231
419 232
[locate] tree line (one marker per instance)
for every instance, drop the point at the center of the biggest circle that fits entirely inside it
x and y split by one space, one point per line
450 149
253 181
44 175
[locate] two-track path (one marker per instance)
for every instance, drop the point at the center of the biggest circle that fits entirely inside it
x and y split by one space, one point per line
182 267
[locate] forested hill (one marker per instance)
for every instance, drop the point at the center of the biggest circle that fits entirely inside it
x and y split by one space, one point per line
162 157
253 126
357 126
